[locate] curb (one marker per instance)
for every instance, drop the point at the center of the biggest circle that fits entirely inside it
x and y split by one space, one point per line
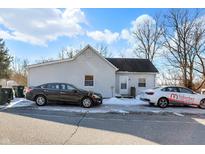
124 112
112 111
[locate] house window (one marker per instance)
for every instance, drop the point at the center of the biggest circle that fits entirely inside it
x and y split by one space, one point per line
142 82
89 80
123 85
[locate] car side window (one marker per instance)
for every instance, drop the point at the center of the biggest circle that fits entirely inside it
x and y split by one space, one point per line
53 86
66 87
170 89
185 90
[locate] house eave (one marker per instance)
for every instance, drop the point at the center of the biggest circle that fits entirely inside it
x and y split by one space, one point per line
127 72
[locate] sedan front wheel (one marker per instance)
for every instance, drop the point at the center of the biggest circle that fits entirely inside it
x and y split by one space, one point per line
86 102
202 104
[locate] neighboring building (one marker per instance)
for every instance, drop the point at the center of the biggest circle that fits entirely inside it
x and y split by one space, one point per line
8 83
90 71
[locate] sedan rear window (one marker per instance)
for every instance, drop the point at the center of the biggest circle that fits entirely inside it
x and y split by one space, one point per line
185 90
170 89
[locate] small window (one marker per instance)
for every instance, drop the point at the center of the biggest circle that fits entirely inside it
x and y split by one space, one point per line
142 82
89 80
123 86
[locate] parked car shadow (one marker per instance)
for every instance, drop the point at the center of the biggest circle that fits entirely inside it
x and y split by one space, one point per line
159 129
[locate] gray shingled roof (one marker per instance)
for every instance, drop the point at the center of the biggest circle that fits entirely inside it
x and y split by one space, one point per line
133 64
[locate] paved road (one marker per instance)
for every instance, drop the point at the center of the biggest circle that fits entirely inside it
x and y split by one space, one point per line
27 126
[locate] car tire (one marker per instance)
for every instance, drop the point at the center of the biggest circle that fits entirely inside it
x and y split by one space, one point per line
202 104
40 100
163 102
86 102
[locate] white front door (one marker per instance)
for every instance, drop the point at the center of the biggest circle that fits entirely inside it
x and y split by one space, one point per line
123 85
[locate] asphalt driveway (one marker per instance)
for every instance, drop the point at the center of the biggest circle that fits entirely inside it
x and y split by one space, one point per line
28 126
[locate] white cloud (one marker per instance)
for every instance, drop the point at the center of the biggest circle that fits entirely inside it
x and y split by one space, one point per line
138 22
39 26
127 33
105 36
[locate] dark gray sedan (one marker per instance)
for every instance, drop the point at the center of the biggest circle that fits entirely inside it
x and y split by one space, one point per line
62 92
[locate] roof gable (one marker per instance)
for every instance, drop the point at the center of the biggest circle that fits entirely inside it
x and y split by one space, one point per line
97 53
133 65
71 59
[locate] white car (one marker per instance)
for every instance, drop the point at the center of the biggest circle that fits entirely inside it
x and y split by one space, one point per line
163 96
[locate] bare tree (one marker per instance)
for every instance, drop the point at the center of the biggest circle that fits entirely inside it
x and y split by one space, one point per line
67 53
43 60
170 77
148 37
122 55
184 44
103 50
19 70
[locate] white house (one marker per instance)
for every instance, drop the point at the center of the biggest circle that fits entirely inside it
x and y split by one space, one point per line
90 71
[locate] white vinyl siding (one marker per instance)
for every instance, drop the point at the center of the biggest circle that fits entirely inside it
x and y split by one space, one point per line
74 72
133 81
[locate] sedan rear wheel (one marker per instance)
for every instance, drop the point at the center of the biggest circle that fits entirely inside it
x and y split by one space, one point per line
163 102
40 100
202 104
87 102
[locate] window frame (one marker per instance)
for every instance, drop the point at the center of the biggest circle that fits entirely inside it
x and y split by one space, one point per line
144 84
125 86
87 81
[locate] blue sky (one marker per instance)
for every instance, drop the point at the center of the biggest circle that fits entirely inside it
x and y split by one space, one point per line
34 34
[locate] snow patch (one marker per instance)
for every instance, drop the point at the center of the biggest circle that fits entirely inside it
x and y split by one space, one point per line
178 114
123 101
119 111
82 110
20 102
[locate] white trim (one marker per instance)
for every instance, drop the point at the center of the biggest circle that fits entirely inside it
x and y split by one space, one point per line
71 59
50 62
125 72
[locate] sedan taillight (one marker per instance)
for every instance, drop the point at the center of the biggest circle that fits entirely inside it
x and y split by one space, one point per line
28 90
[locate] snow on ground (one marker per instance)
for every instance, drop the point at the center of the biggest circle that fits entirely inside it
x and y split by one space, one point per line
123 101
112 105
19 102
